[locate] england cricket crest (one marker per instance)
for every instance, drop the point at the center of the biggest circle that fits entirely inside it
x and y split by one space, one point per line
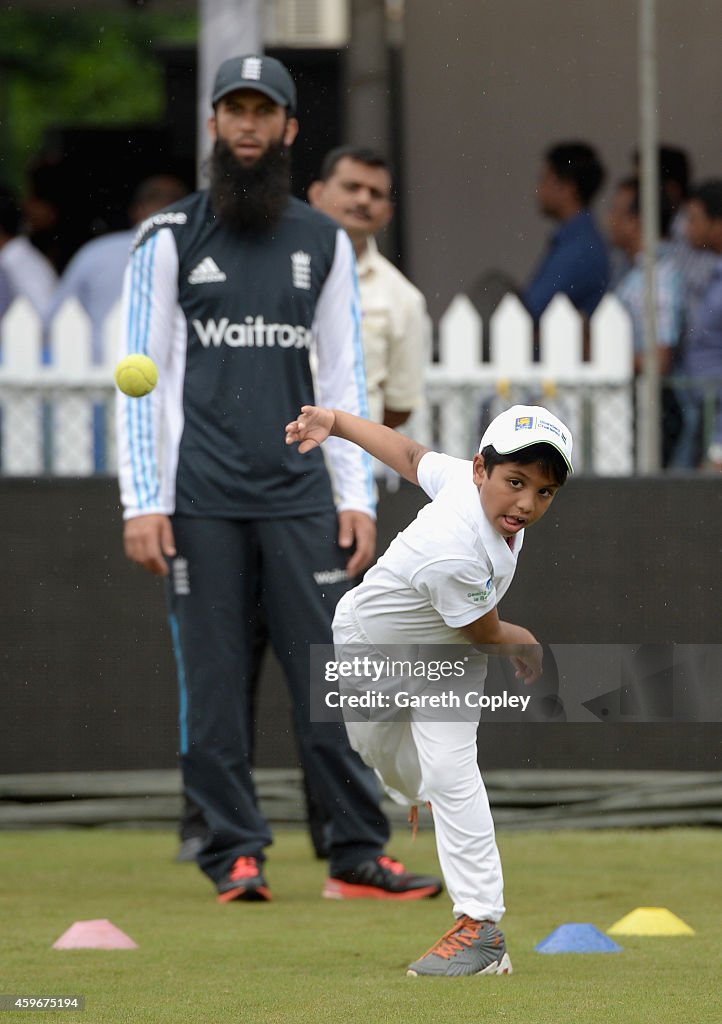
301 269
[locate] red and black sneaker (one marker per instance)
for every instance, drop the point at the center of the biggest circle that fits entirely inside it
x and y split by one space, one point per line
243 882
381 879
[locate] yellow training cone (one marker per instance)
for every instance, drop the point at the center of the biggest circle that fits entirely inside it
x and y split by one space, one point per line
650 921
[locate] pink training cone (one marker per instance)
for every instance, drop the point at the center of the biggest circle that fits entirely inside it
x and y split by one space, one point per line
101 934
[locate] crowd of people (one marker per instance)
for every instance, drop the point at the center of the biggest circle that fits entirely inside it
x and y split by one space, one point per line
584 263
586 257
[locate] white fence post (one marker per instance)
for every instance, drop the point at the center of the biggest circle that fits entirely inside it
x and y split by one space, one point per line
612 354
73 422
22 423
460 337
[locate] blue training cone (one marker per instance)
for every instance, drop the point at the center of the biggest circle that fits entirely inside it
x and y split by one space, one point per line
577 938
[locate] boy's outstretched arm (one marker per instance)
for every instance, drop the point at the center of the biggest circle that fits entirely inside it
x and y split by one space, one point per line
315 424
491 635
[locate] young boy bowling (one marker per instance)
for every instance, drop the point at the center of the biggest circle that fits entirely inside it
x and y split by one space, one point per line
440 582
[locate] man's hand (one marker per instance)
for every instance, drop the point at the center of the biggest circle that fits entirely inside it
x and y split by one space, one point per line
311 429
359 529
529 664
148 540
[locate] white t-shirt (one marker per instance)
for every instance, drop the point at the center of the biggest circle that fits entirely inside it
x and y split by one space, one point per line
31 274
445 570
396 334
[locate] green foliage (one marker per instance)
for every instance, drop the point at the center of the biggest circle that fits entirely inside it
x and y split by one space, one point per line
77 68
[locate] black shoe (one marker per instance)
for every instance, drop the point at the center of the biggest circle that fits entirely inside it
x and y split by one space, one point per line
243 882
381 879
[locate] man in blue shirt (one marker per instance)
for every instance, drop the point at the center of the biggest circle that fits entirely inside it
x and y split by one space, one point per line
577 261
624 223
6 294
702 357
95 273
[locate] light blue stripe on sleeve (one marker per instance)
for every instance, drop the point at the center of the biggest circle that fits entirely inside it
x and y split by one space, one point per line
135 260
360 377
140 410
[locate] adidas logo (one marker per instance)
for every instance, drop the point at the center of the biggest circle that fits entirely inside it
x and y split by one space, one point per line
206 272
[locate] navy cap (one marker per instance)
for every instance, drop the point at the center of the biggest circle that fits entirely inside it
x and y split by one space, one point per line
263 74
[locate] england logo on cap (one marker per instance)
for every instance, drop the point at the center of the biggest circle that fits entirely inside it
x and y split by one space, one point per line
251 68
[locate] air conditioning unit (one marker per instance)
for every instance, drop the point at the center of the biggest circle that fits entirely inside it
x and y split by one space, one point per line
311 23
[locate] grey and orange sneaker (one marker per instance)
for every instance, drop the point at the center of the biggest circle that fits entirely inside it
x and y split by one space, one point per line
381 879
470 947
243 882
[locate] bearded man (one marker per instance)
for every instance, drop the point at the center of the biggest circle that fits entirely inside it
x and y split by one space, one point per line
228 291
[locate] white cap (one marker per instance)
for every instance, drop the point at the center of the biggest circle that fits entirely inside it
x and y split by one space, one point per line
525 425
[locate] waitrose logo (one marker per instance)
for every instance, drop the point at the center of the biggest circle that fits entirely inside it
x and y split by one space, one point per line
254 332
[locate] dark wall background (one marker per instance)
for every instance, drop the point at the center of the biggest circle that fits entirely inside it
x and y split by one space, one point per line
87 680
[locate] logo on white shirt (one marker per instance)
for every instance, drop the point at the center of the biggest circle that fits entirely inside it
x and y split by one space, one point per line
480 596
207 272
301 269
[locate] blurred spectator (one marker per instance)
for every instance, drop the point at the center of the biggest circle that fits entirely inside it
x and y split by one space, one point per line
702 356
51 226
625 232
95 274
695 265
27 272
355 190
577 261
6 295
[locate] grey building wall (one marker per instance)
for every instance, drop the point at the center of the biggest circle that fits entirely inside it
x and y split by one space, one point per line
489 84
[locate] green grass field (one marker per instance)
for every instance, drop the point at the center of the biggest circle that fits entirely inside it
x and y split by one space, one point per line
304 959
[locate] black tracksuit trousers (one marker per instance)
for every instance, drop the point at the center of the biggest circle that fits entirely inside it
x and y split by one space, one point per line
222 570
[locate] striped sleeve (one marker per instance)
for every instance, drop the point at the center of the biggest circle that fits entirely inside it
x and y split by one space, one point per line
148 321
341 377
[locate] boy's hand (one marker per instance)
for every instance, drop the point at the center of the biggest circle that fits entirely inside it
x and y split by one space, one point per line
529 664
311 428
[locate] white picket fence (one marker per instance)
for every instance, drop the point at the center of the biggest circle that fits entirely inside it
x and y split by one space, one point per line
593 397
56 404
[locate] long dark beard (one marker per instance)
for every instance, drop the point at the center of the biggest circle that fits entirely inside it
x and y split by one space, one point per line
249 198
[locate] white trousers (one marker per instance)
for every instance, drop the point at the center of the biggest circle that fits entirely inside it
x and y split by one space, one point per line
423 759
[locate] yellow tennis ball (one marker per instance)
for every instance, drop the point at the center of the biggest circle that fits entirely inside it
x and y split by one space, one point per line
136 375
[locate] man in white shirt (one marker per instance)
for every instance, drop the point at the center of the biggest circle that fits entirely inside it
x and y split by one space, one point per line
355 190
27 272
